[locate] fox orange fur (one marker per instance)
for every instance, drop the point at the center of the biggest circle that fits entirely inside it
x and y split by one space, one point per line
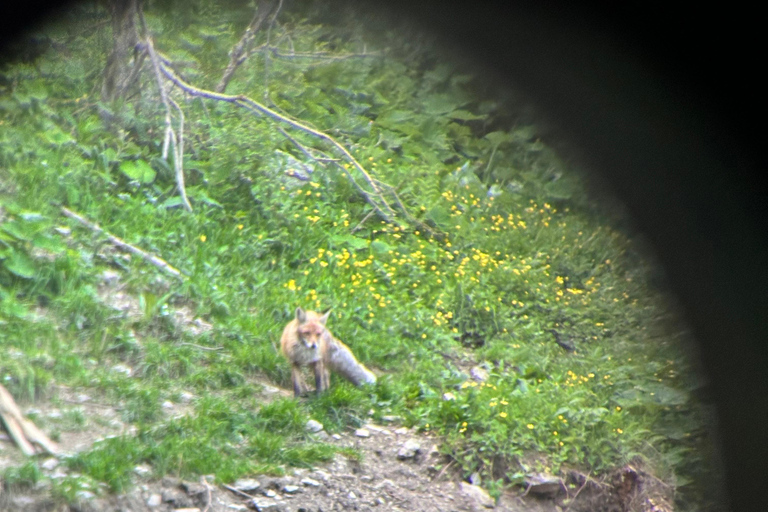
306 341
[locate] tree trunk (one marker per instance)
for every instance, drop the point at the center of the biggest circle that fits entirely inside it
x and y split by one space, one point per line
123 63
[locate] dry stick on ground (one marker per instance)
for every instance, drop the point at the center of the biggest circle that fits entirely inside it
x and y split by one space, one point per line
23 432
240 52
151 258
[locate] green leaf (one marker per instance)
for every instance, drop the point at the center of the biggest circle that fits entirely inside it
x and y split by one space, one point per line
440 216
172 202
465 115
56 136
138 170
20 264
380 249
353 242
49 243
440 104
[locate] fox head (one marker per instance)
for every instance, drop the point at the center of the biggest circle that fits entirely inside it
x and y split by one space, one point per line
311 327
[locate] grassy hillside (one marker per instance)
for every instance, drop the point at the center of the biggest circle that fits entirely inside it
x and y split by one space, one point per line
518 256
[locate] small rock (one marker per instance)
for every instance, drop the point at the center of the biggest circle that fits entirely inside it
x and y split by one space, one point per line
362 432
84 495
246 484
186 397
187 509
237 506
322 475
352 495
337 437
479 373
167 405
154 500
110 277
391 419
313 426
543 485
366 478
478 495
475 479
402 431
121 368
50 464
291 489
269 493
263 504
409 449
310 482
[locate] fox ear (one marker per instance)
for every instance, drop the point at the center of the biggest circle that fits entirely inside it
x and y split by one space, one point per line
325 316
301 315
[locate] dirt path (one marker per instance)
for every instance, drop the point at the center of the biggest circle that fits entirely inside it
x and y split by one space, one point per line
399 469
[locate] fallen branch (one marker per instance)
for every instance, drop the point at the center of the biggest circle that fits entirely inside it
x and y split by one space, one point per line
150 258
240 52
23 432
375 198
176 141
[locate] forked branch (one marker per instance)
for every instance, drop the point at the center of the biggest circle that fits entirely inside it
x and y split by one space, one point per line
373 191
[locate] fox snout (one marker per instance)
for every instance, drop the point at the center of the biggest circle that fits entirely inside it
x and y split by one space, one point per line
310 344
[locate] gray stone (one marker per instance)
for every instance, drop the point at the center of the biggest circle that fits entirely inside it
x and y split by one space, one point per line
310 482
543 485
479 373
409 449
291 489
361 432
154 500
264 504
313 426
477 495
50 464
246 484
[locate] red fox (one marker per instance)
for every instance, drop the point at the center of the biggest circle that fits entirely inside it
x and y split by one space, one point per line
306 341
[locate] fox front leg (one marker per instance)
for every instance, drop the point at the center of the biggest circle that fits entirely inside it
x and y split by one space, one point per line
298 381
321 378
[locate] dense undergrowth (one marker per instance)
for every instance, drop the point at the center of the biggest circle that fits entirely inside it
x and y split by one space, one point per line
525 259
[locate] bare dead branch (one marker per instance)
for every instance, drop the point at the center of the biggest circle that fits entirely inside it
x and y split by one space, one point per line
177 142
324 56
23 432
240 52
238 491
150 258
375 197
178 158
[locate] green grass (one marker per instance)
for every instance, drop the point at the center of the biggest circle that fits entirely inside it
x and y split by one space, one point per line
522 253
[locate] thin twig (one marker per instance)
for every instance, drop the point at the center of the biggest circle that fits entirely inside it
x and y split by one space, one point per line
208 489
240 53
200 346
178 158
445 468
586 481
176 143
150 258
360 225
238 491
